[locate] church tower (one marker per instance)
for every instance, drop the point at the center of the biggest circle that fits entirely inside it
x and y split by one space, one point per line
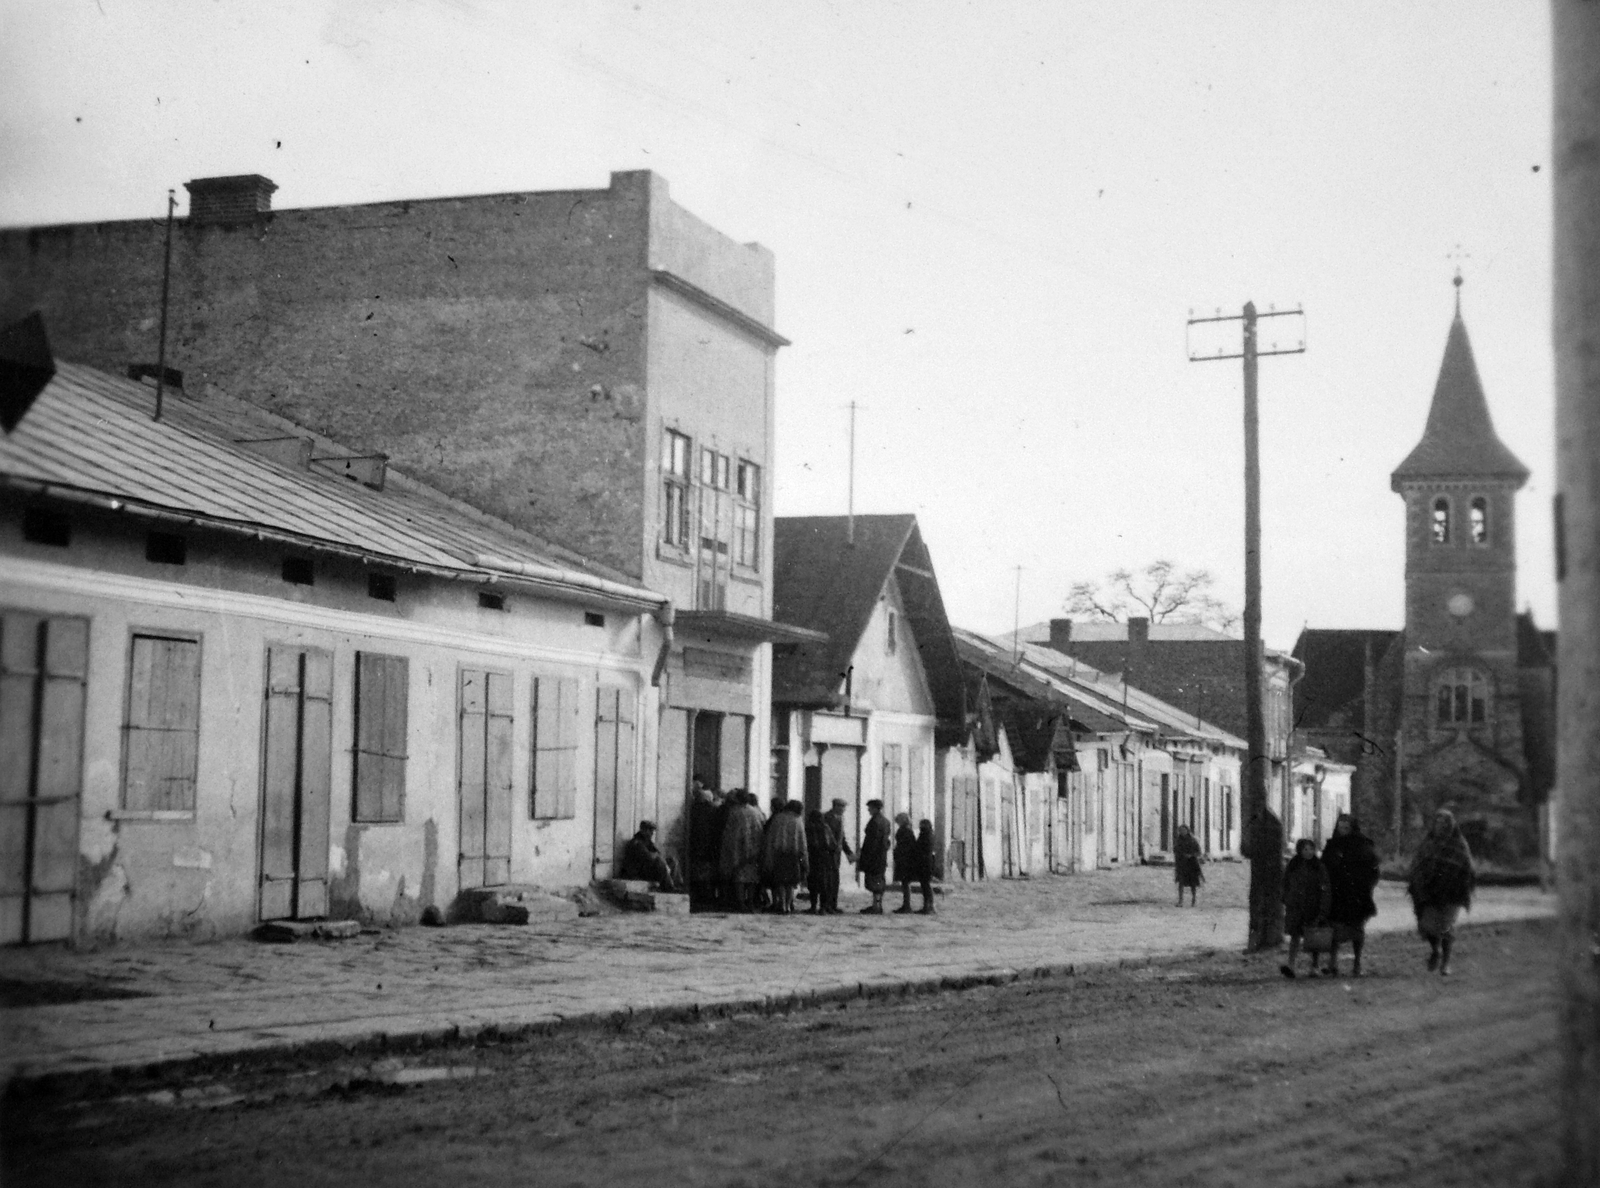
1461 719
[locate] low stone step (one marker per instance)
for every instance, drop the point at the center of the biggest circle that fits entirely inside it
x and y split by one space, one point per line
289 931
635 895
514 903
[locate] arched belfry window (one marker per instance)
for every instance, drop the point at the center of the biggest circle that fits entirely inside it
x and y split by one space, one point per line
1440 524
1478 520
1462 697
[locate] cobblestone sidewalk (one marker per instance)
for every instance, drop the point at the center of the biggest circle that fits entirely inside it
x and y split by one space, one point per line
176 1001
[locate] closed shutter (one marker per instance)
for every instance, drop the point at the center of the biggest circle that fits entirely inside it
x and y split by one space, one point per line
555 747
162 736
382 698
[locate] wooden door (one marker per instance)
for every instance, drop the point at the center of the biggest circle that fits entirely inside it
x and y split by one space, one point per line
613 776
43 666
484 784
296 783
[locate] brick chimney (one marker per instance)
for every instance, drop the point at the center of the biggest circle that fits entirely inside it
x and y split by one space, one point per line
1138 631
235 199
1060 634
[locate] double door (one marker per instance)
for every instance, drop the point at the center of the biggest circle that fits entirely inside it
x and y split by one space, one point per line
296 786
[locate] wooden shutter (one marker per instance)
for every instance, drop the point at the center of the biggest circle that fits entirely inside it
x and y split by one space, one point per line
316 783
605 777
382 698
473 712
497 787
163 723
555 747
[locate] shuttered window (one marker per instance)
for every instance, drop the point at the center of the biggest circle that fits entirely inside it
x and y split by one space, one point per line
555 747
382 690
161 737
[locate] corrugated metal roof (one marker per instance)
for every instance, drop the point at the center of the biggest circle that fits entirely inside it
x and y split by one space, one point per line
90 433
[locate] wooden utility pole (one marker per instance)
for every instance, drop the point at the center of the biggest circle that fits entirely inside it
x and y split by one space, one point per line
166 283
1266 855
1576 28
850 491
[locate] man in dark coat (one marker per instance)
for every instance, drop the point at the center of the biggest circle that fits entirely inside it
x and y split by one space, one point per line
874 859
834 820
705 843
906 864
1352 863
641 860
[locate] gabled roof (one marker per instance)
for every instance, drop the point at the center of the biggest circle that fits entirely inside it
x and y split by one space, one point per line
828 583
1336 665
90 437
1459 440
1090 713
1535 648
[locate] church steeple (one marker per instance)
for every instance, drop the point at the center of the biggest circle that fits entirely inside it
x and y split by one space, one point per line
1459 441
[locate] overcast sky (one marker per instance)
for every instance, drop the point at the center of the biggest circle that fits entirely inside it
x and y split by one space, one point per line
991 221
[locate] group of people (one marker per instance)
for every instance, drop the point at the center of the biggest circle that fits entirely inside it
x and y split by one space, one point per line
743 861
1332 894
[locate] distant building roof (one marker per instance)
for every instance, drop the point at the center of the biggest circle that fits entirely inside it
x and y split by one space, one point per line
823 581
90 437
1336 665
1100 631
1459 440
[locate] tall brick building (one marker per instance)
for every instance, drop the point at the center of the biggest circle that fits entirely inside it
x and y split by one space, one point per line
1454 710
592 366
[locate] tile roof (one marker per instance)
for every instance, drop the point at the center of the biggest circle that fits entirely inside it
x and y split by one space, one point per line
91 435
1459 440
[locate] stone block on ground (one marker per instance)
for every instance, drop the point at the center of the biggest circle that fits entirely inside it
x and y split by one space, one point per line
289 931
514 903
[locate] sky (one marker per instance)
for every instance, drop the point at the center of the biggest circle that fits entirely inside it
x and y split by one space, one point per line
991 222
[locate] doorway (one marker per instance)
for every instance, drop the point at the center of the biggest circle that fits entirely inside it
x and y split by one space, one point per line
296 783
614 806
484 785
43 666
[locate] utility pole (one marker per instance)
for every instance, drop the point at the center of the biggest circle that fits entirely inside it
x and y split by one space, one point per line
1016 622
850 493
1266 857
166 282
1576 30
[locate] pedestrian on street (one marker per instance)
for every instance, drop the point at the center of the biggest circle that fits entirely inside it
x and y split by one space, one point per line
1306 899
784 858
926 863
817 849
1440 885
722 806
834 820
1352 863
1186 864
873 861
705 843
741 850
905 861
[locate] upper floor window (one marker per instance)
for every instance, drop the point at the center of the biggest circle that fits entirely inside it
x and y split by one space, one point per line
675 488
747 514
1440 524
1478 520
1462 697
714 471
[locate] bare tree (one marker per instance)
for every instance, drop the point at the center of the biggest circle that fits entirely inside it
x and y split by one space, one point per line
1160 591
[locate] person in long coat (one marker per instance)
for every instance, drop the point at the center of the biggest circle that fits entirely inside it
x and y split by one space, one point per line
784 858
1440 885
905 861
741 849
926 863
705 843
1186 864
1352 863
819 842
834 820
873 860
1306 898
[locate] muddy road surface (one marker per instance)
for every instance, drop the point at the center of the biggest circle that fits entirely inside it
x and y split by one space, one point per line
1210 1070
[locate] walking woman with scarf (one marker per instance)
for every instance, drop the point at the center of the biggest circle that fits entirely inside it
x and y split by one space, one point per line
1352 863
1440 885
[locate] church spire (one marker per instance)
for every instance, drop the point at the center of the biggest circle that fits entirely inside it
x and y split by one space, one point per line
1459 441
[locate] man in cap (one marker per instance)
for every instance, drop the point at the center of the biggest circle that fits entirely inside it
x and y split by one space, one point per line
642 861
873 861
833 820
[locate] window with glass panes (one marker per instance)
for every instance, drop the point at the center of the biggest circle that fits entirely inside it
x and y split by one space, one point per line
747 515
675 452
716 530
1462 697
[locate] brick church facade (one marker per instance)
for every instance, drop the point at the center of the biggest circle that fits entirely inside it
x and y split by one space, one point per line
1456 709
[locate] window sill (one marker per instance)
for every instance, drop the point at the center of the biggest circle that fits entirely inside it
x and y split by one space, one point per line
150 814
674 555
368 821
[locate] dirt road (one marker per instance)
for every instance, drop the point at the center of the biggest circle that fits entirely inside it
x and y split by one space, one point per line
1209 1070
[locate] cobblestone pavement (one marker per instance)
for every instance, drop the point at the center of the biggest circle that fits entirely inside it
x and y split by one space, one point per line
176 1000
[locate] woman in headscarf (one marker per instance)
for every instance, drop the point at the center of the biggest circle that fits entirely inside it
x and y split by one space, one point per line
1352 863
1186 863
784 859
818 835
741 849
1306 897
1440 885
905 860
926 862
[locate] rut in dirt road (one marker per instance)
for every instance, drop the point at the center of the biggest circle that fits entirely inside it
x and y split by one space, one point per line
1197 1071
